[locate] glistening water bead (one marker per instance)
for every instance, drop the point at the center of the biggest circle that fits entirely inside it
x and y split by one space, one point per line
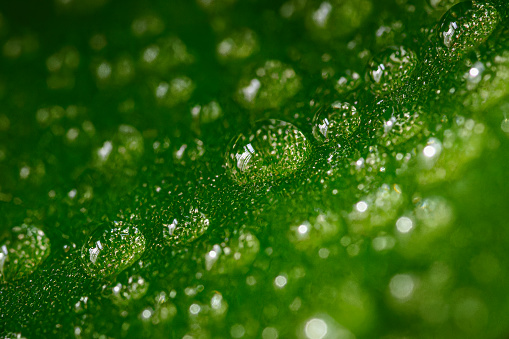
465 26
23 252
339 120
110 251
390 69
186 228
275 149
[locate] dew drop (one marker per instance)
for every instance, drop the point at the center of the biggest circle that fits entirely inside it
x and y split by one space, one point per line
239 252
332 123
186 228
274 150
122 153
21 253
272 85
391 69
110 251
463 27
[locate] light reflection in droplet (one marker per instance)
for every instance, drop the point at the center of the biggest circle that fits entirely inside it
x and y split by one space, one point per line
361 206
280 281
316 329
402 286
404 224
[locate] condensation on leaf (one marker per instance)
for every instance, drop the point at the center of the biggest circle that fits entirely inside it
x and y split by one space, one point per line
111 249
275 149
23 252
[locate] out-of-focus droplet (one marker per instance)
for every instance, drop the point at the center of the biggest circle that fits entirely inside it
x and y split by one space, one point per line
110 251
238 253
336 18
122 153
185 228
238 45
173 92
275 149
340 120
465 26
122 294
348 82
273 84
391 69
21 253
147 25
166 54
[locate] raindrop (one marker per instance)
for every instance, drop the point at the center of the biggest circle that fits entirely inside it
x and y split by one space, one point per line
240 251
238 45
336 18
121 294
333 123
272 85
186 228
274 150
21 253
112 250
391 69
465 26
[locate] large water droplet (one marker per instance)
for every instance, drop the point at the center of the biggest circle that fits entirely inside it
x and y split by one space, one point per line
273 84
110 251
340 120
465 26
21 254
391 69
186 228
274 150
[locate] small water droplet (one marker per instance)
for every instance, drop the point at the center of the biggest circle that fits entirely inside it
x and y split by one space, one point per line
272 85
21 253
186 228
391 69
109 251
333 123
274 150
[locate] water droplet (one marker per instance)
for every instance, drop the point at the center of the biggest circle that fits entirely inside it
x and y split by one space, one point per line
274 150
348 82
377 209
174 92
333 123
121 294
122 154
335 18
186 228
147 25
391 69
110 251
314 233
402 286
434 213
238 45
273 84
167 53
21 254
505 125
465 26
239 252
